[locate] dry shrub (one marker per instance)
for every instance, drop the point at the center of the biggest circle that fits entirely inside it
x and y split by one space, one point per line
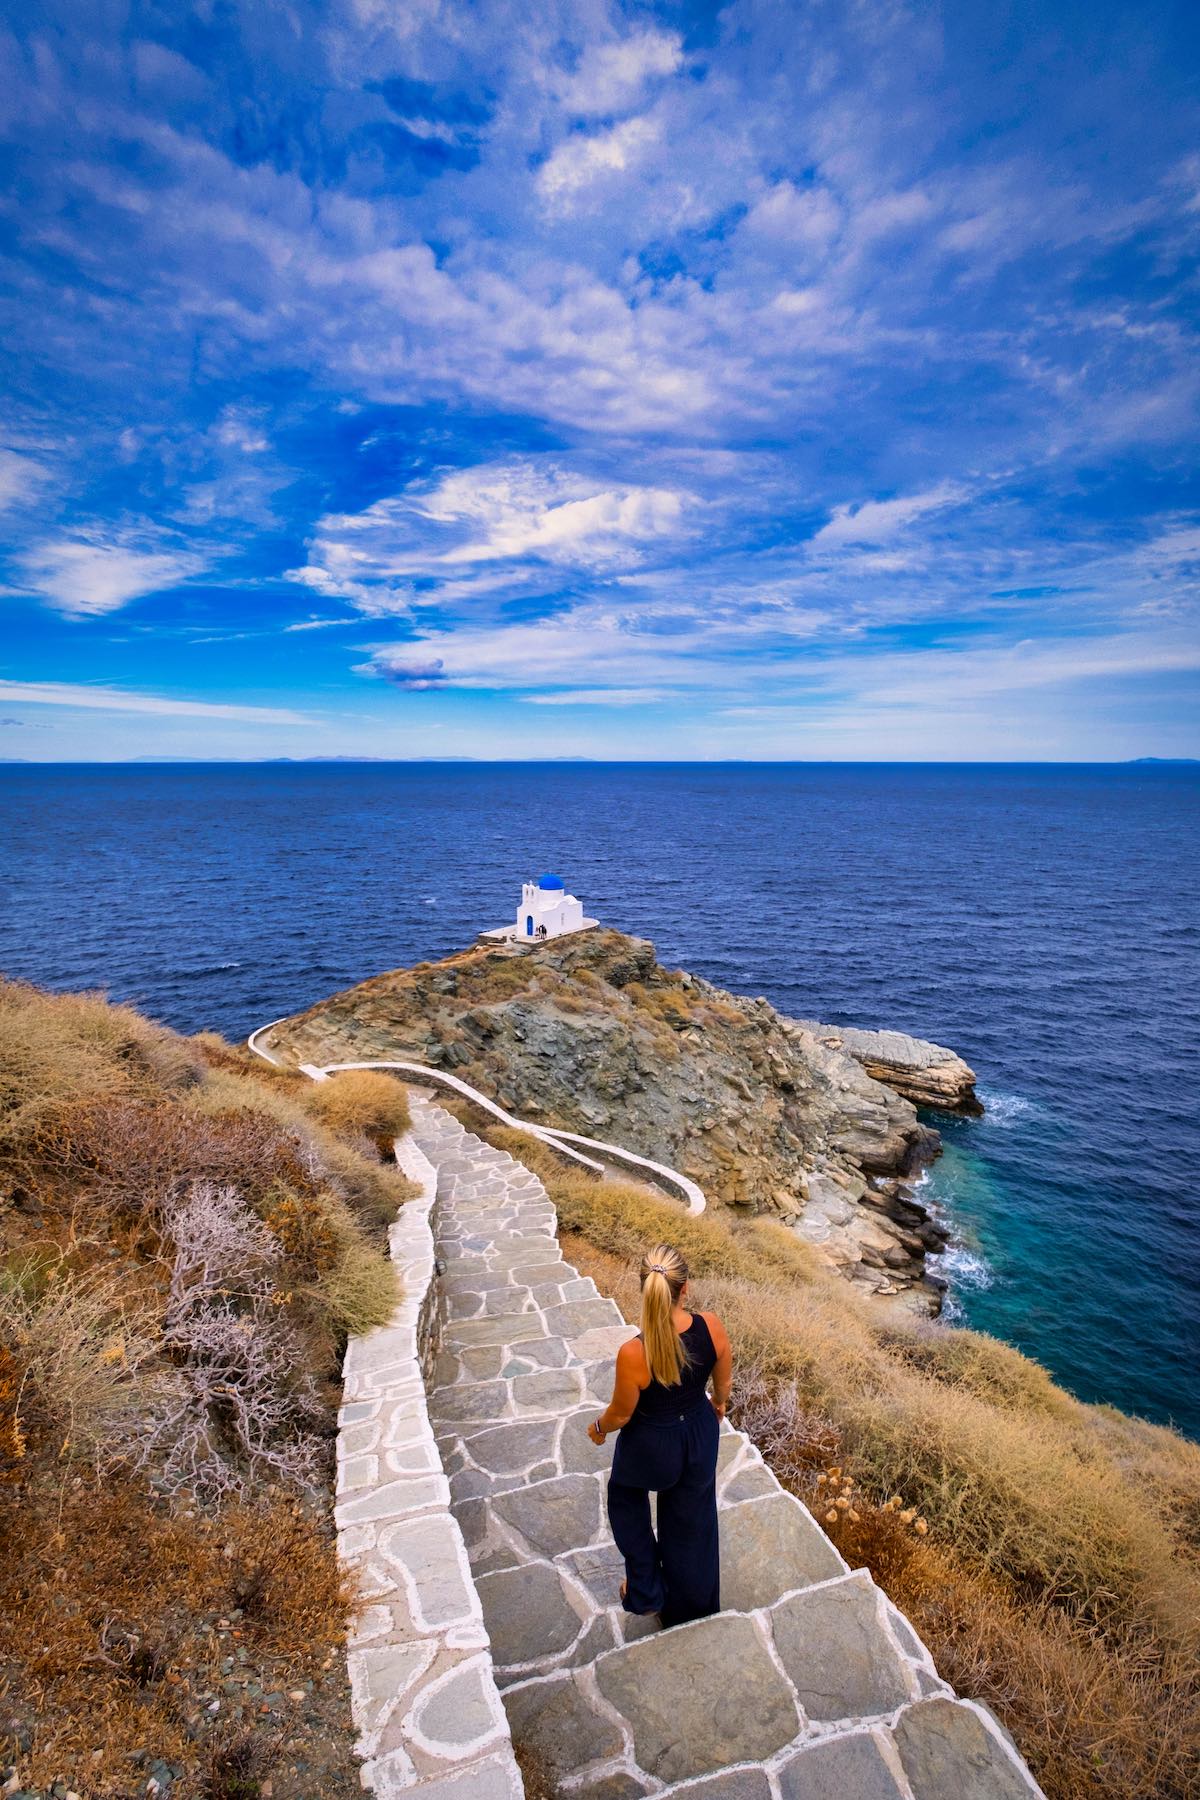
76 1354
351 1285
359 1292
373 1191
978 1364
304 1230
134 1156
13 1448
362 1103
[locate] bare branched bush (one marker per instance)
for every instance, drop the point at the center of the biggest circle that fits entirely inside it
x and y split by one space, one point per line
242 1407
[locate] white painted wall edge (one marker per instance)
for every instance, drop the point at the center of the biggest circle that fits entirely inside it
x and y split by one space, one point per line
689 1191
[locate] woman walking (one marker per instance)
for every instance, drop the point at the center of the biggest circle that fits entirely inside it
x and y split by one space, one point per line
667 1445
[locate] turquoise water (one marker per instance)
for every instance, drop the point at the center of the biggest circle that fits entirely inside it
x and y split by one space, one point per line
1041 920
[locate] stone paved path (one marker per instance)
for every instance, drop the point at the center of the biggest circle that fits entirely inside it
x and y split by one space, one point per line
809 1685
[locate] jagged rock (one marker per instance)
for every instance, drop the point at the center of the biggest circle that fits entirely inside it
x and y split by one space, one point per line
927 1074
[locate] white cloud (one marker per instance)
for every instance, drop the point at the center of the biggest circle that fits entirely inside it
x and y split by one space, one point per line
612 76
88 575
521 510
20 478
613 696
104 699
476 533
793 215
876 521
580 162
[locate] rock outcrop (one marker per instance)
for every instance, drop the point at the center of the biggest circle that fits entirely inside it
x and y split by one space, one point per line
927 1074
589 1032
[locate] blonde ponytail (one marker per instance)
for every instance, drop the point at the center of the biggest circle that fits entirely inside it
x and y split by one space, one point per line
663 1273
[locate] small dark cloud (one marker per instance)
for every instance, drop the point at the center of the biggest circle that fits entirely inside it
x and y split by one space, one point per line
413 676
31 724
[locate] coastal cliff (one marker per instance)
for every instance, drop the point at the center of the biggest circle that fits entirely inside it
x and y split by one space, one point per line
591 1033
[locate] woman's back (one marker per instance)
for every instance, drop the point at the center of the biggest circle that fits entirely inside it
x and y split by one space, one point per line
660 1402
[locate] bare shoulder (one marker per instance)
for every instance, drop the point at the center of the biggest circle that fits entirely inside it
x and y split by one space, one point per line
631 1355
716 1330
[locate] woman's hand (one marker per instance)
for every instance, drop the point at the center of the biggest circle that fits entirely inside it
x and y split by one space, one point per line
718 1407
594 1432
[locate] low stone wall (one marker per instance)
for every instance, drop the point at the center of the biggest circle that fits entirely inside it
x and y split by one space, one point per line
424 1695
688 1191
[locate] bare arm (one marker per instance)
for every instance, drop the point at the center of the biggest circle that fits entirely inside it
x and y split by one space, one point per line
631 1377
722 1375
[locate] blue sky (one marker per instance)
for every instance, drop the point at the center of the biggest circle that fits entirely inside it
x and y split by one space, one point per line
405 377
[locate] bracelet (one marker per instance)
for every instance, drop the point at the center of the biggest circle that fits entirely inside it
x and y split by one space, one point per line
598 1426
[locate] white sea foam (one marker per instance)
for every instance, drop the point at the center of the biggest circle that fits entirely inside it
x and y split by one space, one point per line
962 1267
1005 1109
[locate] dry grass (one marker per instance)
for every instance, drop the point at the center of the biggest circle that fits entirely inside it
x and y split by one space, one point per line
78 1352
125 1615
1057 1576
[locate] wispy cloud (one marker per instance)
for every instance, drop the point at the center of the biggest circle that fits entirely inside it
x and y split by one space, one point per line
84 575
118 700
579 163
613 696
614 74
21 477
879 521
486 531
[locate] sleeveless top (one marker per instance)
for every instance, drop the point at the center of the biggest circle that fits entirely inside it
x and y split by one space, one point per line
661 1405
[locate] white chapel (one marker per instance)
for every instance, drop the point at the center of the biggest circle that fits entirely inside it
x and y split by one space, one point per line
546 911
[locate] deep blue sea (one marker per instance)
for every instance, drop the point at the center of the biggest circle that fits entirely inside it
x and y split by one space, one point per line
1043 921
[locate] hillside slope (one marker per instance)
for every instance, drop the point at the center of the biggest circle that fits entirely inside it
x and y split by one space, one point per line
186 1241
591 1033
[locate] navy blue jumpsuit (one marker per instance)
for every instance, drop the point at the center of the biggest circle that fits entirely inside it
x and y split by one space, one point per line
669 1447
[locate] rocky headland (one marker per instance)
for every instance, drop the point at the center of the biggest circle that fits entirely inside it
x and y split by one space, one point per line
812 1124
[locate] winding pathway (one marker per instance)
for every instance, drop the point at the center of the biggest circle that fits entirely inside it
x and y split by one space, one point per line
491 1576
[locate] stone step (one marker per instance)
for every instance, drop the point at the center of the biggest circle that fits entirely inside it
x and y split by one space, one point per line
816 1692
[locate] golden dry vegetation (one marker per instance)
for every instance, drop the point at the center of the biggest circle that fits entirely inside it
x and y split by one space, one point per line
1047 1551
187 1238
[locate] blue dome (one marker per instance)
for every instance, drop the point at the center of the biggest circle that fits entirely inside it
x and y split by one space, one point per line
551 881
